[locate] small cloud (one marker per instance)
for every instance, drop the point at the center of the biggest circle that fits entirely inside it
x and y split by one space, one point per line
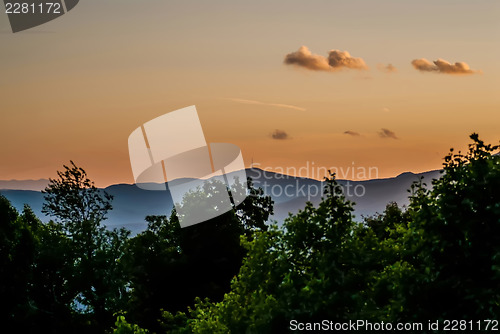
336 60
389 68
385 109
279 135
442 66
352 133
386 133
278 105
304 58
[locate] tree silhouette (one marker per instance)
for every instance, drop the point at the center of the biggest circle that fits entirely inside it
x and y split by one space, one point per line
79 207
171 266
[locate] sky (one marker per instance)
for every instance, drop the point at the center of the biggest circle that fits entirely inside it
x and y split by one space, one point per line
292 83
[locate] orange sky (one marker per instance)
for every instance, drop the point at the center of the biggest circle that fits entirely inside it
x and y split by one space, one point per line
75 88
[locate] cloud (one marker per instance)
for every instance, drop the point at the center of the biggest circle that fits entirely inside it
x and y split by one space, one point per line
304 58
385 109
279 105
279 134
442 66
336 60
352 133
386 133
389 68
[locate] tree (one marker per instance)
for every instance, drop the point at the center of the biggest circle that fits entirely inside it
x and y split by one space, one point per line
382 224
444 261
256 209
73 199
305 271
123 327
96 275
437 260
52 291
156 270
17 251
171 266
457 228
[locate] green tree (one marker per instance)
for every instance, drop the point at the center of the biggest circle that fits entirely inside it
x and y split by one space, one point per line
305 271
123 327
96 280
443 260
17 252
457 228
35 275
49 290
171 266
437 260
383 224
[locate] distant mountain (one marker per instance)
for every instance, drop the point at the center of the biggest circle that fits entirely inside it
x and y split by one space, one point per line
132 204
36 185
370 196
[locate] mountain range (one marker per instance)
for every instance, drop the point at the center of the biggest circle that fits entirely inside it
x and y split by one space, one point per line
290 194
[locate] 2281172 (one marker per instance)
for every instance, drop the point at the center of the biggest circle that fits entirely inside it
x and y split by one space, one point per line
463 325
31 8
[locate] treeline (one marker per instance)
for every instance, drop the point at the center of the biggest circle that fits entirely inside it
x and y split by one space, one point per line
437 259
73 275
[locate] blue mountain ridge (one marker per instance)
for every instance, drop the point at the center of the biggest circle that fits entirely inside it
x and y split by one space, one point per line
132 204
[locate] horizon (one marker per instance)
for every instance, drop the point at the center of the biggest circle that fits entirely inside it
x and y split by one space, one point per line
247 168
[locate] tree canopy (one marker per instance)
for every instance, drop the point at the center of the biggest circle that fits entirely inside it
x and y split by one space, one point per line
436 259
